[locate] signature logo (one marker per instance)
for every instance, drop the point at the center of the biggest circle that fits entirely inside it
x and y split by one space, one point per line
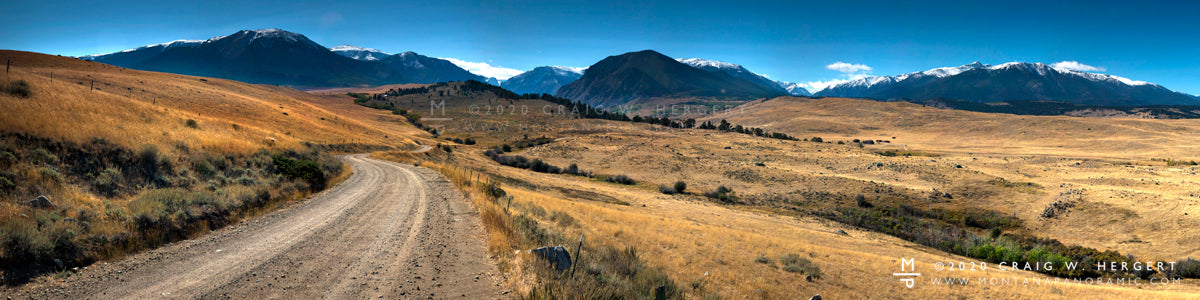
908 274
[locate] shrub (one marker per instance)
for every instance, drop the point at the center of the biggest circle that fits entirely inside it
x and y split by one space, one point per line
50 173
680 186
796 264
7 159
43 156
6 184
204 168
762 260
667 190
622 179
723 194
563 219
192 124
1189 268
18 88
109 181
147 160
306 170
862 201
494 191
817 139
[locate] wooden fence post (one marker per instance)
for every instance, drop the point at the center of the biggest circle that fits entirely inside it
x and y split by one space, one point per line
577 249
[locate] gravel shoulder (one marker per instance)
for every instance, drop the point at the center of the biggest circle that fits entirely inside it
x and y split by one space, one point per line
390 231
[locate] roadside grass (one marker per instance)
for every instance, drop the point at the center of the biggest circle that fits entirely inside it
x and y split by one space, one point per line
515 224
108 201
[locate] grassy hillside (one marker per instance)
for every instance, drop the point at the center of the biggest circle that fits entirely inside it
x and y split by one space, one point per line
790 198
130 159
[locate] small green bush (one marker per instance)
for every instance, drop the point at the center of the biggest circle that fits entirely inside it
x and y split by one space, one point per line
43 156
109 181
192 124
51 174
796 264
306 170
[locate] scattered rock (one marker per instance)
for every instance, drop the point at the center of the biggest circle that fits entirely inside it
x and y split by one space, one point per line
760 164
556 255
59 263
41 202
842 232
815 297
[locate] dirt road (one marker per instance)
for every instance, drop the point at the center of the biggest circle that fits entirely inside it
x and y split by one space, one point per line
389 231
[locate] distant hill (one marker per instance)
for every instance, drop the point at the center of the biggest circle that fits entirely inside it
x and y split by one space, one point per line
423 69
273 56
1054 108
620 79
542 80
978 82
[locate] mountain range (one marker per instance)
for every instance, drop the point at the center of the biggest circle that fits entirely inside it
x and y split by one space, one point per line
542 80
621 79
273 56
741 72
359 53
979 82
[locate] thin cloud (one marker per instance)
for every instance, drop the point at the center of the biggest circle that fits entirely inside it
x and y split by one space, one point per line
849 68
485 70
1077 66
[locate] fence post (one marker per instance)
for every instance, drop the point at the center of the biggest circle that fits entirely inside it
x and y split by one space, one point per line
577 249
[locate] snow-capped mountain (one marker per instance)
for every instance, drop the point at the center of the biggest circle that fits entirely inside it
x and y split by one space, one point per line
979 82
359 53
734 70
543 80
795 89
424 69
274 56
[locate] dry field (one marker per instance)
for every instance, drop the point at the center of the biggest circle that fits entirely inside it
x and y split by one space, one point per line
132 108
1014 165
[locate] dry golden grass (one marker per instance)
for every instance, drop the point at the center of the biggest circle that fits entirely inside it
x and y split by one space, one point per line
133 108
689 235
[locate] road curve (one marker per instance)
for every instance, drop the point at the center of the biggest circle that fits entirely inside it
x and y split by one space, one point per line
389 231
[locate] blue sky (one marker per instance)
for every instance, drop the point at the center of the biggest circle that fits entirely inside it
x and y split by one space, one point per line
794 41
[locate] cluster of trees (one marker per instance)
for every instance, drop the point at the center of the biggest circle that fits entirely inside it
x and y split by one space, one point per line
406 91
755 131
536 165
